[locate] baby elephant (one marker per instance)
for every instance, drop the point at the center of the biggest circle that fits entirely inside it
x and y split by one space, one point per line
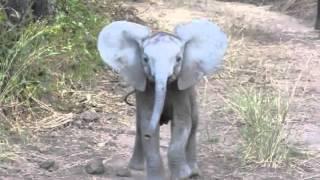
164 68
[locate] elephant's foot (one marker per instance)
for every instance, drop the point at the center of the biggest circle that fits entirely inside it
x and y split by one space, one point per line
156 177
195 171
182 172
156 174
136 164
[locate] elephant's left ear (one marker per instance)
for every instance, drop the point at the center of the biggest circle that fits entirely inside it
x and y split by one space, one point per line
205 46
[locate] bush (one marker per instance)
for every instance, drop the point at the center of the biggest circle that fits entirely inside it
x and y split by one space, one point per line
78 29
34 57
21 50
41 59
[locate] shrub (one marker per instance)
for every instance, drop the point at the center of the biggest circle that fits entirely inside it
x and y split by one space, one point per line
35 56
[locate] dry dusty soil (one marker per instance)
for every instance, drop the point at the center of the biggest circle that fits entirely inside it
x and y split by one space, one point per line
266 48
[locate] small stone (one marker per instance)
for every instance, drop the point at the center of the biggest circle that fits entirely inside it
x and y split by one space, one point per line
251 80
78 123
89 116
111 144
43 149
47 164
90 126
121 131
123 172
101 144
95 166
14 171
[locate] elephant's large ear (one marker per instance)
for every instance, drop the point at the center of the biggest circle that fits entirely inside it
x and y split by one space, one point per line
119 46
205 45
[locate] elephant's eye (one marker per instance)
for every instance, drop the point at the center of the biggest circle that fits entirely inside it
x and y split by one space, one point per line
178 58
145 59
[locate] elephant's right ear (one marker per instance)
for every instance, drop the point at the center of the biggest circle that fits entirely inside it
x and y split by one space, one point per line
119 47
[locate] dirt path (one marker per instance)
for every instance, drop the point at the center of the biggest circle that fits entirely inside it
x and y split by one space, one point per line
261 42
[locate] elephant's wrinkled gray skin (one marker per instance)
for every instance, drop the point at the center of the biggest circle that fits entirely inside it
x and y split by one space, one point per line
163 68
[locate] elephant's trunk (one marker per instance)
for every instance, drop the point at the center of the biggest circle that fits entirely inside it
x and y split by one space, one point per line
159 99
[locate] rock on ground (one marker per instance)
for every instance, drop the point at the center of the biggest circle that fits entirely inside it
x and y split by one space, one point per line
95 166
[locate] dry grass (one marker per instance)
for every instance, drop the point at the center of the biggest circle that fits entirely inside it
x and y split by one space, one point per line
264 117
260 109
261 88
302 9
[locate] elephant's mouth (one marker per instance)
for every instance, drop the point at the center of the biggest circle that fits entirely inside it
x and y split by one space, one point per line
172 78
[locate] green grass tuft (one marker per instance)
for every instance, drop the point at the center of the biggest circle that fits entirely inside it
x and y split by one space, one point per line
264 116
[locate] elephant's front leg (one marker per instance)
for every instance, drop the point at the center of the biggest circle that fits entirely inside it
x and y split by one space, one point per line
192 142
137 159
191 149
180 131
150 146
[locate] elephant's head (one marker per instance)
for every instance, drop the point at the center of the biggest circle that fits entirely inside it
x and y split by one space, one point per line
196 49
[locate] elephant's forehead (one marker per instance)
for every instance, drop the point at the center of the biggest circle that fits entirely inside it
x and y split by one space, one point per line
162 43
161 37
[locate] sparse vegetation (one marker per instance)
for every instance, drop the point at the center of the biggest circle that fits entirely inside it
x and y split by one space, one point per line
37 56
263 114
41 60
262 105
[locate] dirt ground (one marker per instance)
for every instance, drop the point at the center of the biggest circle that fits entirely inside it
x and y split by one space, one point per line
266 48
